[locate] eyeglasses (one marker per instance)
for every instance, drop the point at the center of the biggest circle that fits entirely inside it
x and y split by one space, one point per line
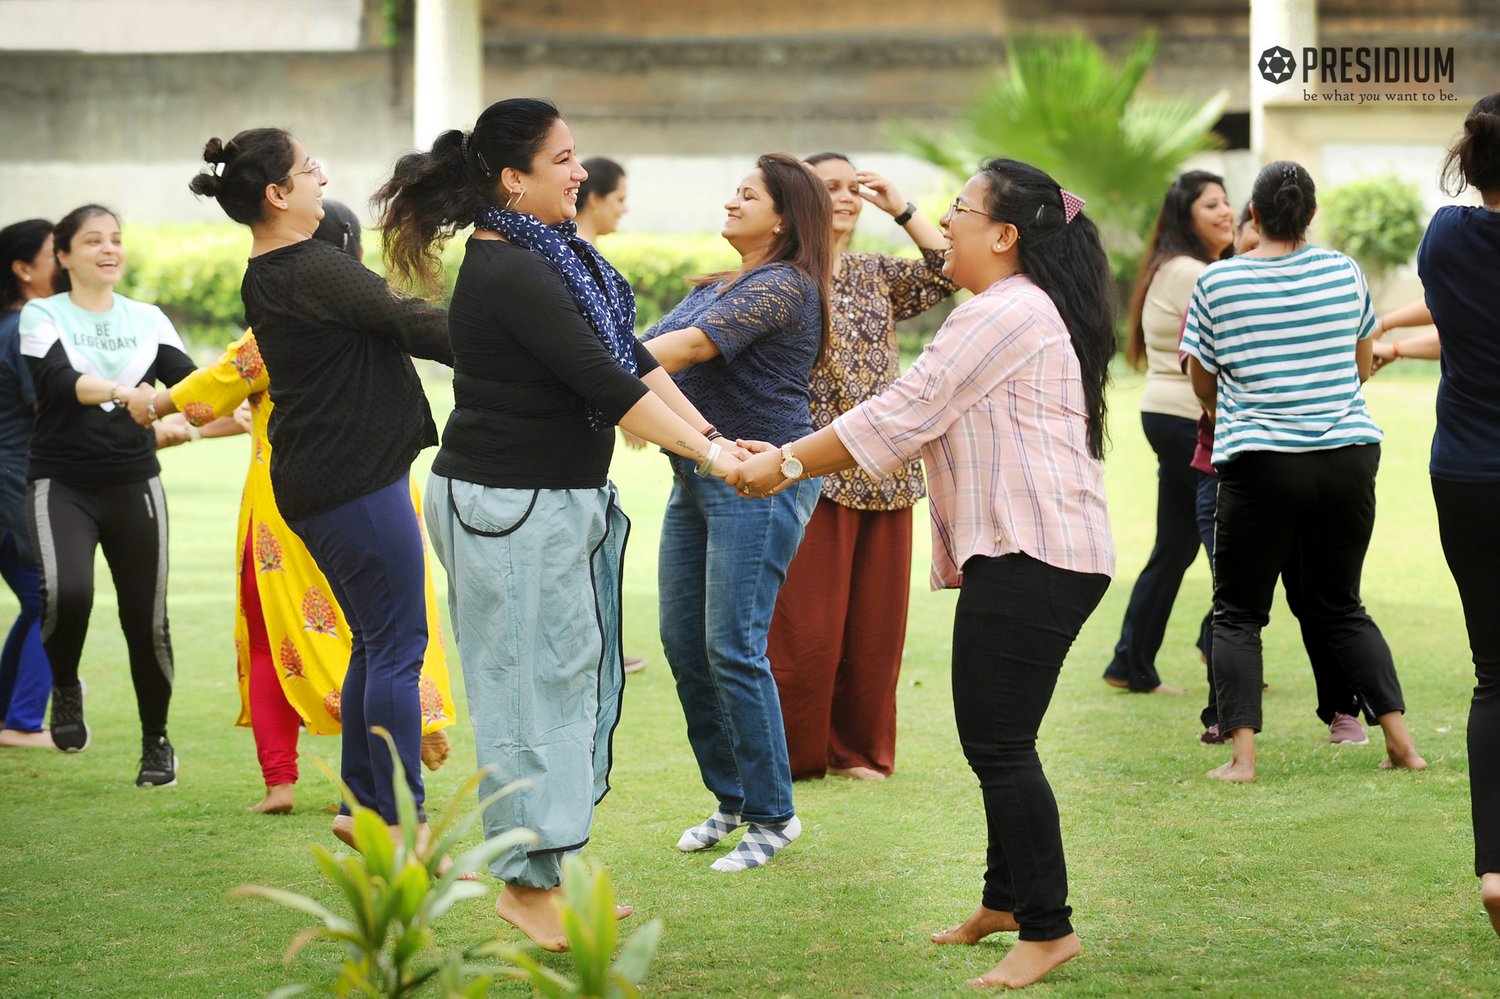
957 208
313 167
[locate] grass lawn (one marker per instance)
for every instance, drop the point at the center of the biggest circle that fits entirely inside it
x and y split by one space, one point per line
1327 878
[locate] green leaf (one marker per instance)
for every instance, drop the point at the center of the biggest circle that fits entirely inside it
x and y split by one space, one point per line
456 829
372 838
601 909
292 901
406 806
640 947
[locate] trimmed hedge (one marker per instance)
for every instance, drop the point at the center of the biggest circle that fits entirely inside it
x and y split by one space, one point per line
193 272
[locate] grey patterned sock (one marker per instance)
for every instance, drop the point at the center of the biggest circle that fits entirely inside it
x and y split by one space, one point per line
759 844
708 832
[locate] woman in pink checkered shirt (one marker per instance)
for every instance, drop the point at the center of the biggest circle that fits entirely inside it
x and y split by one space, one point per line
1006 409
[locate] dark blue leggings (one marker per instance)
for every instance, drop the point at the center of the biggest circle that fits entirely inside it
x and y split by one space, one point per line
25 677
371 551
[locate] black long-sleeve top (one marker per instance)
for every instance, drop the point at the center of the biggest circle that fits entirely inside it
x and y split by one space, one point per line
337 343
130 343
527 368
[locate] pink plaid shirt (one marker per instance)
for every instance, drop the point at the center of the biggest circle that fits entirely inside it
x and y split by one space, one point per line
995 408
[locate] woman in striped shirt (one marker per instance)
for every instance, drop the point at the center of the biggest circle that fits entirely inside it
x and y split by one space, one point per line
1006 409
1278 342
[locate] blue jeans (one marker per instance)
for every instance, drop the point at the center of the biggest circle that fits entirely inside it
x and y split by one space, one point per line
371 551
721 563
25 676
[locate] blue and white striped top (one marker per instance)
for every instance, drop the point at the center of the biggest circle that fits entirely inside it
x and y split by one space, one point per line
1280 333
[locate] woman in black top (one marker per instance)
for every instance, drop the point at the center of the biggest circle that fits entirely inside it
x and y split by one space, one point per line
93 476
520 508
350 416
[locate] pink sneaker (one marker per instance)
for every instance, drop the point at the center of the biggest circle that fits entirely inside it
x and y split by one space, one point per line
1345 730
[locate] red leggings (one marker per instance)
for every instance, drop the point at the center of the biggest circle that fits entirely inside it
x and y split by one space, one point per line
272 718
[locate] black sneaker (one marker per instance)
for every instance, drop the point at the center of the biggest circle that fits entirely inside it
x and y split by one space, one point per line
69 733
158 764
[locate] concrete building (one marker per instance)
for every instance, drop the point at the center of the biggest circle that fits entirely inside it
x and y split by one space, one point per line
112 99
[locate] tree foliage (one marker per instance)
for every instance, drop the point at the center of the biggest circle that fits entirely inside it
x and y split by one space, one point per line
1063 105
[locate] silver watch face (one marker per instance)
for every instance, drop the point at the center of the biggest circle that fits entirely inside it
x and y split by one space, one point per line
791 468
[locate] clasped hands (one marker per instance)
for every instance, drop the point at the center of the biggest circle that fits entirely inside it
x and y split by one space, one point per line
138 402
758 474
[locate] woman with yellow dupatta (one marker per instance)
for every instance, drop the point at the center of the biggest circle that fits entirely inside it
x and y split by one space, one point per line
290 638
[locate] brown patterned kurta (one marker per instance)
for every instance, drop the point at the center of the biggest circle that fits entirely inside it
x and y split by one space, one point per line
872 292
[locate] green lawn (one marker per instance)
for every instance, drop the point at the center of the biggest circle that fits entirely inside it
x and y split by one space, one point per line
1327 878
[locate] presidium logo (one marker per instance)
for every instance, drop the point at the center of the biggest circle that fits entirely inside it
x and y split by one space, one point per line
1276 64
1359 64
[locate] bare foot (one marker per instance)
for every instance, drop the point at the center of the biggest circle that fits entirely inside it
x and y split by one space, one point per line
1489 894
435 749
1235 771
1402 758
343 828
1113 682
11 738
1241 766
534 912
1027 961
980 924
1400 751
278 800
858 773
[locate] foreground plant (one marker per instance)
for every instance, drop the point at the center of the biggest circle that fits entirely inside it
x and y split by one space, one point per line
592 925
397 888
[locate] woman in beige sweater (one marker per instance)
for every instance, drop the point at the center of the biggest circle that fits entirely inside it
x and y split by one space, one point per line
1195 227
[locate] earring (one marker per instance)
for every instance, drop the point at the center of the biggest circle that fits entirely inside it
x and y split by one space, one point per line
777 230
514 199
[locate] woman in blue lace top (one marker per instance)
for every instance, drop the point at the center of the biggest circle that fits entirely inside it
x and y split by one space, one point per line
741 347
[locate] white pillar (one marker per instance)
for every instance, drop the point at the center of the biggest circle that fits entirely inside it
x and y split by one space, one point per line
1292 25
448 68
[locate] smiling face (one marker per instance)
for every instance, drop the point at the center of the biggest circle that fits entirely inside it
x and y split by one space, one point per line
980 250
838 176
750 226
1213 219
551 186
301 191
96 257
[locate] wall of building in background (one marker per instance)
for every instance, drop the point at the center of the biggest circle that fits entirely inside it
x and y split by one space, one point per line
684 93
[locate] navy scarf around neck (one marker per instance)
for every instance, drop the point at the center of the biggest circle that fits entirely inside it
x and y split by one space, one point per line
603 296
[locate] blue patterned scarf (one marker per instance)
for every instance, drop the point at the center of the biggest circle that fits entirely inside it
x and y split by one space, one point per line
603 296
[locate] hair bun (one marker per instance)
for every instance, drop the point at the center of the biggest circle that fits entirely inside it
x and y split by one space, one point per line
206 185
215 151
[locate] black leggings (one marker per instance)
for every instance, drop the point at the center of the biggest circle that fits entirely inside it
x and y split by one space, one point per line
129 521
1322 505
1471 543
1016 619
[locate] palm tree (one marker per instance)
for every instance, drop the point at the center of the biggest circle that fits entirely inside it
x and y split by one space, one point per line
1062 105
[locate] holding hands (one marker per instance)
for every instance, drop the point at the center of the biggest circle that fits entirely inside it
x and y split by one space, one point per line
760 473
141 402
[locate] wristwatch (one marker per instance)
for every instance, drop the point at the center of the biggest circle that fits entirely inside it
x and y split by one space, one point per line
905 216
791 466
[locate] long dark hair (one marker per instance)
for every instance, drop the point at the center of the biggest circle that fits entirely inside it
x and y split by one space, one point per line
806 237
432 195
1171 236
1066 260
1285 199
62 240
19 241
1475 157
239 170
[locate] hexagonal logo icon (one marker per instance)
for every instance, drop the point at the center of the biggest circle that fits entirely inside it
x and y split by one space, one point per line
1277 64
